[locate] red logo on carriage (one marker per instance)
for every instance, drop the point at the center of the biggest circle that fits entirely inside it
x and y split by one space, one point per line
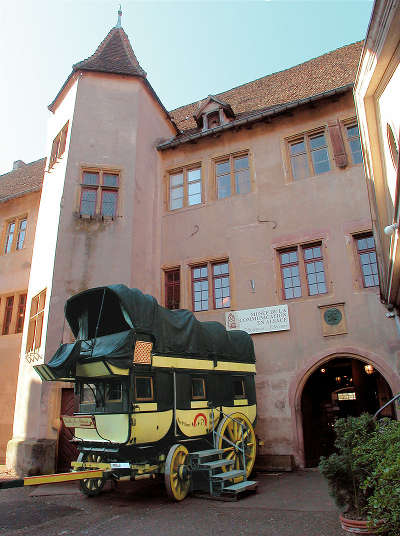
200 415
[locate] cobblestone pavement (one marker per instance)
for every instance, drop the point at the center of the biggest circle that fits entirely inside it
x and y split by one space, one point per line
294 504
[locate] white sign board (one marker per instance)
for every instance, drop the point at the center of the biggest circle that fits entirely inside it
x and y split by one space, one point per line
261 320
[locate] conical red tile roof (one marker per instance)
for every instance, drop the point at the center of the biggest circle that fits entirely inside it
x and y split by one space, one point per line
113 55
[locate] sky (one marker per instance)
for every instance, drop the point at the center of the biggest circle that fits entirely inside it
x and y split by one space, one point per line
189 49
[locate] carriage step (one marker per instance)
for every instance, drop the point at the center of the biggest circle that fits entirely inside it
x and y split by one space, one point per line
246 485
229 475
206 453
216 464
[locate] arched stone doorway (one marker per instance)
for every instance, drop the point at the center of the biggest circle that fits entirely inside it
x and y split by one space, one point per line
341 387
382 368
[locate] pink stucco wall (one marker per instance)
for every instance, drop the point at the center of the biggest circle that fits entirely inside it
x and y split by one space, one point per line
249 228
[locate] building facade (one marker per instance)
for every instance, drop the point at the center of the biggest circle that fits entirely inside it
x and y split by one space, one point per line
247 200
376 91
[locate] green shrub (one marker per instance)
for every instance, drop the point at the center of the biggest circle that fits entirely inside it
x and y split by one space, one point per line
346 472
380 458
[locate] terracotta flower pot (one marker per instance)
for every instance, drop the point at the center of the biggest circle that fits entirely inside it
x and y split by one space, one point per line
355 526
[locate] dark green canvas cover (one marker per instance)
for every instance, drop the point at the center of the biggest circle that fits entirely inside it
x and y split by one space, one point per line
108 311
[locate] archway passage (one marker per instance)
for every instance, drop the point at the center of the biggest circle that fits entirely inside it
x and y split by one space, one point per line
339 388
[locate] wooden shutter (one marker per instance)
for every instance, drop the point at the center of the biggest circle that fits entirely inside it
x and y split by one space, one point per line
339 151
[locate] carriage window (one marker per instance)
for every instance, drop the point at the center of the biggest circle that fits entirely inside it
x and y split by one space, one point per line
114 392
238 387
144 388
198 389
88 393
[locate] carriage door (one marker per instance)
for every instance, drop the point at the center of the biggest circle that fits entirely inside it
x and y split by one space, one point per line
67 451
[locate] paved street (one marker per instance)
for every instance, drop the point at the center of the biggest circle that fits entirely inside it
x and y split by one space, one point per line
285 505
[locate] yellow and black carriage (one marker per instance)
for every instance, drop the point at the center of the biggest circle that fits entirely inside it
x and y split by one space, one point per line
160 394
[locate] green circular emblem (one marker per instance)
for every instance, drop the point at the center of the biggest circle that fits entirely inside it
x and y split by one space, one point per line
332 316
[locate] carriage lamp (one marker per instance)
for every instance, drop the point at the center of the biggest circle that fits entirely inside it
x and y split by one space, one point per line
369 369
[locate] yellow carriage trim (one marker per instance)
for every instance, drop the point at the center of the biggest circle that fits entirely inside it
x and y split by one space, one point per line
249 411
150 427
195 422
113 427
201 364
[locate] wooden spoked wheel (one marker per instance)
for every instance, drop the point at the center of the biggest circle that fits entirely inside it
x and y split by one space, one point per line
92 486
231 431
177 473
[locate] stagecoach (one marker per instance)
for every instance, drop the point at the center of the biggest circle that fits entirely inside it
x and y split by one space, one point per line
160 393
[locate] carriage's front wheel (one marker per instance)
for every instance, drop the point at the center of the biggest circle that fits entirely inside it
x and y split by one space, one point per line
235 435
177 473
92 486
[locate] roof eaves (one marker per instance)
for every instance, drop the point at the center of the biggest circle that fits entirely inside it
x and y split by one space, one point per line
252 117
20 194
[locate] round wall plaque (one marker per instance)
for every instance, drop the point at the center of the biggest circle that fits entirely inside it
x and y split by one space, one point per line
332 316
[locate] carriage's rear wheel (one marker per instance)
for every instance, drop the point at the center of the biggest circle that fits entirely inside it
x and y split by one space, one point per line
92 486
233 431
177 473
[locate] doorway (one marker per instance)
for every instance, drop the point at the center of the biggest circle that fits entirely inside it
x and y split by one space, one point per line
340 387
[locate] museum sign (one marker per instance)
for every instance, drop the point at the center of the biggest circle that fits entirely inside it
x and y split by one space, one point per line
261 320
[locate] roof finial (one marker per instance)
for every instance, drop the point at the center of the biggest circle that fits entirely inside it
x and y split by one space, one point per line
118 25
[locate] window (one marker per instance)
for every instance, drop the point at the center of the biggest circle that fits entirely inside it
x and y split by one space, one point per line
353 138
87 393
232 176
58 147
393 145
20 313
172 288
36 322
238 387
213 276
198 389
185 188
99 193
213 119
8 314
14 237
368 262
302 268
144 388
309 155
114 392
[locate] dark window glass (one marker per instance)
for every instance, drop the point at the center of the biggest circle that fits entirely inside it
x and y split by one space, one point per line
114 392
172 289
144 388
8 314
238 387
198 389
21 313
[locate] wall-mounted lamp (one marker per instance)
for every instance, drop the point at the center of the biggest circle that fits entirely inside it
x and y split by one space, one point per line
323 370
369 369
390 229
252 285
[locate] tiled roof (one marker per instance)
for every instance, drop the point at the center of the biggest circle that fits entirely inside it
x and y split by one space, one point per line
28 178
113 55
317 76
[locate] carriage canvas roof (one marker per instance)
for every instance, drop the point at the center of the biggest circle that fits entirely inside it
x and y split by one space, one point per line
112 309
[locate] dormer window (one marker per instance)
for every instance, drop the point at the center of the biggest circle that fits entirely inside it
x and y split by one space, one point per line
213 113
213 119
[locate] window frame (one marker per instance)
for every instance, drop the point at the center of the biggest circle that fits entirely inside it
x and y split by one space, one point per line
185 170
302 268
231 159
243 395
58 145
8 315
345 125
360 236
13 245
210 278
203 381
174 285
99 188
36 317
306 137
144 399
21 311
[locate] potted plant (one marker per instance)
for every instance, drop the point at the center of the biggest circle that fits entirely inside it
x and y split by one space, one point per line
380 457
364 474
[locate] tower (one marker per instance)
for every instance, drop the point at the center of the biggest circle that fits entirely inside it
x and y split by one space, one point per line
97 222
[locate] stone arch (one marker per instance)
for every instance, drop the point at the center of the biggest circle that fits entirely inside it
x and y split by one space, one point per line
299 380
